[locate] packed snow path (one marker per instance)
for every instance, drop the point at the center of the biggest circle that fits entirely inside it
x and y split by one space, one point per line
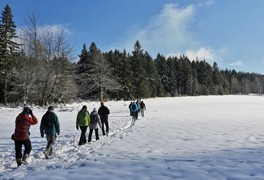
214 137
68 154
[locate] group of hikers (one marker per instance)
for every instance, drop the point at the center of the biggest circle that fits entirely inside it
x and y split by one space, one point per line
84 119
51 127
135 107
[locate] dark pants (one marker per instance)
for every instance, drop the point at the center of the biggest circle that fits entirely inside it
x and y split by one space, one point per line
91 134
18 147
105 123
83 135
135 114
51 141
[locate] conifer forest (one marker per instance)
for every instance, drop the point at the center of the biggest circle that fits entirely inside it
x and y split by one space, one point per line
38 67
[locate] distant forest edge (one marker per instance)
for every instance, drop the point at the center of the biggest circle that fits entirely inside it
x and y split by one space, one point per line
38 70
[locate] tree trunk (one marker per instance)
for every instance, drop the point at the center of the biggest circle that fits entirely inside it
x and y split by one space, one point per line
102 93
5 89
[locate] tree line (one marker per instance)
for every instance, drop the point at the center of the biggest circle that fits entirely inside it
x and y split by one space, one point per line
36 67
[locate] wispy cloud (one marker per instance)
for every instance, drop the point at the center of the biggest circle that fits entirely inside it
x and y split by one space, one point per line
54 29
262 60
165 33
201 54
206 3
236 63
51 29
170 33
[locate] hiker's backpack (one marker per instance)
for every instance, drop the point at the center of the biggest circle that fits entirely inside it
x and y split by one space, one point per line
48 120
93 119
133 107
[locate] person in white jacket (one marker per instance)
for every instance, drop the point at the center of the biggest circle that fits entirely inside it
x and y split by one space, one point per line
94 123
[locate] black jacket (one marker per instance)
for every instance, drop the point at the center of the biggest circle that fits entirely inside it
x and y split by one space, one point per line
103 113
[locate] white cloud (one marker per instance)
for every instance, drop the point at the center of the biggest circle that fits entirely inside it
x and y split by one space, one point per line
51 29
206 3
170 33
54 29
236 63
200 54
262 60
166 33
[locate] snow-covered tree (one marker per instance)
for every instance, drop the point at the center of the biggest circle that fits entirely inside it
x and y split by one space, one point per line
8 47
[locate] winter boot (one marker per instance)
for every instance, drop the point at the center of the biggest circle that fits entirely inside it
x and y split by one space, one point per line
51 151
18 162
46 155
25 157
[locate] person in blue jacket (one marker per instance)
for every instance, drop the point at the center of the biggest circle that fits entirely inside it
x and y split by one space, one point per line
134 109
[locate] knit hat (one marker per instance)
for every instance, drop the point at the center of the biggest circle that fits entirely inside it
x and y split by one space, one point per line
84 107
26 110
51 108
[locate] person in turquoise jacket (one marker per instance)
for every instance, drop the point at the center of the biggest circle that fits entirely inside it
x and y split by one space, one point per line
82 122
51 127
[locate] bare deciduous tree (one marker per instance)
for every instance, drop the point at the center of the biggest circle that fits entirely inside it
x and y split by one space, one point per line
101 78
45 70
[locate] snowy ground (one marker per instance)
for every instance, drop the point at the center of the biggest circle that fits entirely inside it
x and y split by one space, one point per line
206 137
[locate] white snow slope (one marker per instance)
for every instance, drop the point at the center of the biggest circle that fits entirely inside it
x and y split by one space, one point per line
206 137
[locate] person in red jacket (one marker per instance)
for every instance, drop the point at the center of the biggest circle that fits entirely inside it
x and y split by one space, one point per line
21 135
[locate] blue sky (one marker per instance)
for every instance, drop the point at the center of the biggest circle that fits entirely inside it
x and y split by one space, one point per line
229 32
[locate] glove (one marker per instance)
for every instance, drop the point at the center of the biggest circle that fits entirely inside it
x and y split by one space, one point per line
42 135
30 112
77 127
58 133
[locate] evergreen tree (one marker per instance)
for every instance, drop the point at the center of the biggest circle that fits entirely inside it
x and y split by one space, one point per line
172 82
195 87
163 72
94 56
8 48
125 76
186 75
152 78
121 72
204 76
95 75
84 55
137 59
217 80
179 75
84 76
82 72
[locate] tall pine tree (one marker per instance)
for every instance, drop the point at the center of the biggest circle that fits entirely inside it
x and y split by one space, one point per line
82 72
138 72
8 48
163 71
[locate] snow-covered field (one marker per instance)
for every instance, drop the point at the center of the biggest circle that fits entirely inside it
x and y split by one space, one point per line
206 137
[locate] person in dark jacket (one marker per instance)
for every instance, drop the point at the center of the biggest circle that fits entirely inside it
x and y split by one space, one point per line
142 108
51 127
21 135
103 113
94 122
